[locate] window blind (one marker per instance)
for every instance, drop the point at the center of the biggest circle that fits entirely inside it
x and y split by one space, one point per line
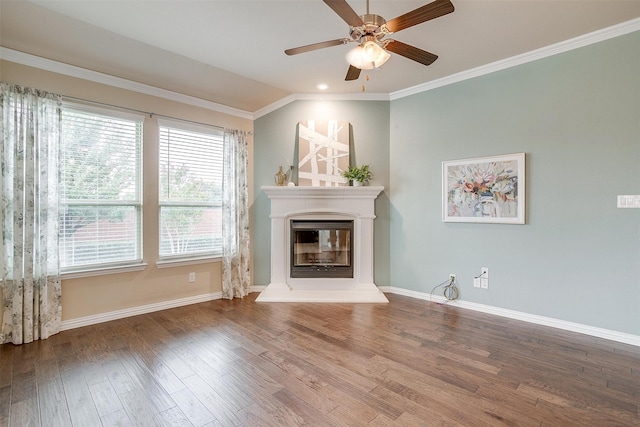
190 191
100 221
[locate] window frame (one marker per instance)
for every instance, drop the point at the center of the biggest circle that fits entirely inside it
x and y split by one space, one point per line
165 261
137 264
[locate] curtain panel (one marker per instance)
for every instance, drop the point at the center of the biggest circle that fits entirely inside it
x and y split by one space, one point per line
236 277
29 273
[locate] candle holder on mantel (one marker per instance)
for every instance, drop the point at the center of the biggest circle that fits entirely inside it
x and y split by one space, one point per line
280 178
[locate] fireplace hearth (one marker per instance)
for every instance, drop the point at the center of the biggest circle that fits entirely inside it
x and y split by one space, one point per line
322 245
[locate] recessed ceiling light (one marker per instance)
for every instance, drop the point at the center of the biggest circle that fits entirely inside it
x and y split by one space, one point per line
322 86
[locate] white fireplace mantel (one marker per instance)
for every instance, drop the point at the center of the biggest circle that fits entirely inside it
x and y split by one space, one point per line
294 203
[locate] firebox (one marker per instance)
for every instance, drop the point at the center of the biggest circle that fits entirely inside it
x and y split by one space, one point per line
321 249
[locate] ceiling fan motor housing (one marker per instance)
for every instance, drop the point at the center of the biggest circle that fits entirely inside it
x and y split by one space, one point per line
372 27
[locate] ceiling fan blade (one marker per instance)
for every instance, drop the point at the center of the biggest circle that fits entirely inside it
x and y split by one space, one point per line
342 8
352 73
422 14
411 52
315 46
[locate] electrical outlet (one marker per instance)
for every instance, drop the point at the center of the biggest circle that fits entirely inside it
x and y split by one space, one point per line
192 277
476 282
485 272
629 201
452 276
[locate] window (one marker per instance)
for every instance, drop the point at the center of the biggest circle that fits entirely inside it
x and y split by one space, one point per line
100 219
190 185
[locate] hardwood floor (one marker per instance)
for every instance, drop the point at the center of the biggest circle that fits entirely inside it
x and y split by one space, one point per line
241 363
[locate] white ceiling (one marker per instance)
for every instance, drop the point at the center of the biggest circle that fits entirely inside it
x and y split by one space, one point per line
231 51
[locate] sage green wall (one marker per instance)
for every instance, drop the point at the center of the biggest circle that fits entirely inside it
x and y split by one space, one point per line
576 115
274 145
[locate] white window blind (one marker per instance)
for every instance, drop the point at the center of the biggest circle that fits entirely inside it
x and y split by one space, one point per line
100 221
190 196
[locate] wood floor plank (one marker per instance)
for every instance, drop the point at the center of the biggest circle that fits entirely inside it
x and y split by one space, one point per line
266 414
82 409
23 387
222 409
330 360
145 382
241 363
25 414
172 417
442 397
139 407
411 410
105 398
354 412
45 350
310 392
164 355
5 404
118 376
94 371
251 386
353 387
116 419
53 404
309 414
6 364
196 411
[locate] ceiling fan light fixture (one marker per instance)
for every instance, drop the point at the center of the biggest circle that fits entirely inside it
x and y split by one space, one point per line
368 55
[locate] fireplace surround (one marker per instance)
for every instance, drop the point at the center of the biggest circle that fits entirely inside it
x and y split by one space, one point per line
293 206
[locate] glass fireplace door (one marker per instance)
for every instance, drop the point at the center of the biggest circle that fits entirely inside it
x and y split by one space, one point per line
321 249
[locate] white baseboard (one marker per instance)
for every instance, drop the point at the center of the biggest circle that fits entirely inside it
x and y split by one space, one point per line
518 315
134 311
511 314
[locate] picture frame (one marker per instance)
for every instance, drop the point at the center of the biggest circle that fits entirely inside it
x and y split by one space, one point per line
484 189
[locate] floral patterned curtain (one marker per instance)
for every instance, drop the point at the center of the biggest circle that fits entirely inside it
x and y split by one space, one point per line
29 270
236 277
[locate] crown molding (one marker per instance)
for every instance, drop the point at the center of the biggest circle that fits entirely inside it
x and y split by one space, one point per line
320 97
565 46
97 77
554 49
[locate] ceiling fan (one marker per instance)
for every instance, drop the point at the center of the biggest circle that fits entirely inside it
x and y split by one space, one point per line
370 30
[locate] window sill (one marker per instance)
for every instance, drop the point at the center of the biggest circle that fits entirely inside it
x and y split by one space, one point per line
102 271
187 261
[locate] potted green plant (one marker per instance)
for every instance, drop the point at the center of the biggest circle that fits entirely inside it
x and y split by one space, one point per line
358 175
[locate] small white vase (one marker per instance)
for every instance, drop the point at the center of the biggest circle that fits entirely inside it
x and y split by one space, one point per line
357 183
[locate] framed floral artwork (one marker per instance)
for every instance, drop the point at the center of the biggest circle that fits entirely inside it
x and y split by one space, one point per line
484 189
